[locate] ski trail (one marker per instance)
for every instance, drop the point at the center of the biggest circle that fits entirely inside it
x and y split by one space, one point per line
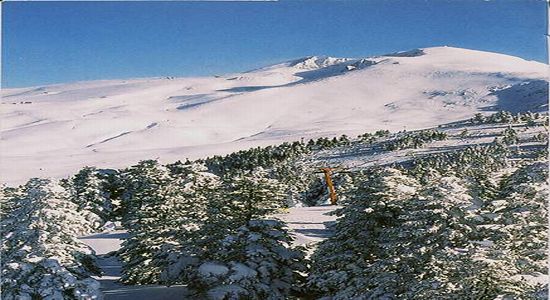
308 225
103 243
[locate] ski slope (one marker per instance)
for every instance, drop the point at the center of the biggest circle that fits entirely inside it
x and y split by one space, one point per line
55 130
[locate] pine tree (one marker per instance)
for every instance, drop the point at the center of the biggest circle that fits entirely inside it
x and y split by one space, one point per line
471 278
245 255
510 136
397 239
153 210
255 262
9 203
88 191
478 119
517 221
41 256
252 195
437 251
298 178
432 225
194 224
344 185
165 213
348 265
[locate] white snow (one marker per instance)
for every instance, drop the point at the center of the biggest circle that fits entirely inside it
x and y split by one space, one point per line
55 130
241 271
106 242
308 225
209 269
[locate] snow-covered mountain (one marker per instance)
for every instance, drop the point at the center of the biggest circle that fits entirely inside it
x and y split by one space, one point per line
54 130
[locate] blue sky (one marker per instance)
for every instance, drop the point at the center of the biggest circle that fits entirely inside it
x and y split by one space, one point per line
52 42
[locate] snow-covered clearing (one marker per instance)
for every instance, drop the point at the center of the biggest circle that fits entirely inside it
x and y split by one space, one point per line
308 225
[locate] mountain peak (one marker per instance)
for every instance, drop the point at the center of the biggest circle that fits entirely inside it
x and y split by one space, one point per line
408 53
317 62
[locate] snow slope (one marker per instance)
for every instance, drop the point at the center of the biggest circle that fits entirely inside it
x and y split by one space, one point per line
55 130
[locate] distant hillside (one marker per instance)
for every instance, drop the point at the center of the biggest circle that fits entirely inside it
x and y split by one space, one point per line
55 130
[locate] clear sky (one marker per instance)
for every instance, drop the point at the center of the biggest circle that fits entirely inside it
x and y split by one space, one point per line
52 42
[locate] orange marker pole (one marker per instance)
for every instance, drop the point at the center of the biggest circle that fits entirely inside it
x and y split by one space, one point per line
330 185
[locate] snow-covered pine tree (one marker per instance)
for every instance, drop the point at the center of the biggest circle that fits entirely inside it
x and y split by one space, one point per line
470 161
247 256
478 119
397 240
41 256
517 222
431 226
9 203
510 136
354 263
481 185
298 177
198 207
164 213
414 139
252 195
88 191
255 262
344 185
154 208
134 180
477 279
434 252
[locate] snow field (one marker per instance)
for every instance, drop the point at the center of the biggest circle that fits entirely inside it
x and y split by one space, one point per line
116 123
